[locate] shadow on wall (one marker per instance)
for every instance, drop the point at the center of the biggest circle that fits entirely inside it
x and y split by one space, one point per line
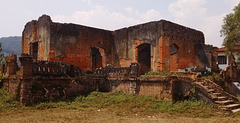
201 55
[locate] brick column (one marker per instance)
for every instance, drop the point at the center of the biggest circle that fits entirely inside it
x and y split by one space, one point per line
12 66
26 78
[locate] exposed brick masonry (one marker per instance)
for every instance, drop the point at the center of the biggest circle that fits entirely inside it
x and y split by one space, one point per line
74 44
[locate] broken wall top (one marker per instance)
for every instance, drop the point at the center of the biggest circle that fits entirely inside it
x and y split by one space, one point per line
164 27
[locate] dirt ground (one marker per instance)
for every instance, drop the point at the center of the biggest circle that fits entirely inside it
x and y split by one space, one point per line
102 116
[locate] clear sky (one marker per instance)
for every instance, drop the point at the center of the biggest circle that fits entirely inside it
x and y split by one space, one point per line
204 15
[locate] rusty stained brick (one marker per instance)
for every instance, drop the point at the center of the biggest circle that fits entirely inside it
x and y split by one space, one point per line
72 43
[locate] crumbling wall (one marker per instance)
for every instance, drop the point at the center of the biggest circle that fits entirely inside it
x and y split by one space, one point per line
172 47
157 87
186 41
12 66
35 82
66 42
169 88
37 31
61 88
128 39
42 80
10 80
12 84
212 56
72 44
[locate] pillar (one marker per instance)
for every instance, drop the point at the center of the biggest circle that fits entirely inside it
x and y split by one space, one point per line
26 78
12 66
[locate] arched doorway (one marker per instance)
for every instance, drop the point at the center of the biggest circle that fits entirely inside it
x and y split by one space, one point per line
144 57
96 58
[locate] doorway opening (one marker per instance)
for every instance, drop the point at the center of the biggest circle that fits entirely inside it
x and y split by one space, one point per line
144 57
96 59
35 50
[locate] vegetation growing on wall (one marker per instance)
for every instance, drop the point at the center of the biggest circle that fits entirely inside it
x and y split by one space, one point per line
215 77
163 73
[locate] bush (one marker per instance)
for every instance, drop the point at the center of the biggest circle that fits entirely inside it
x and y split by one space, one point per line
8 101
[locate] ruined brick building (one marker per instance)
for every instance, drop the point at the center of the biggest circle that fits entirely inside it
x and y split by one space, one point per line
157 46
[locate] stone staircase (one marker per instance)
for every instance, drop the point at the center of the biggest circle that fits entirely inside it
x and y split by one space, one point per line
217 95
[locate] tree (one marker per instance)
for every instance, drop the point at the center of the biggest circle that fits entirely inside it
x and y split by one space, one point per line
2 57
231 29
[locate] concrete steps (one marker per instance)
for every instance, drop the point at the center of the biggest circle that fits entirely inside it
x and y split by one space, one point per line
222 98
236 110
217 94
230 106
210 90
225 102
219 97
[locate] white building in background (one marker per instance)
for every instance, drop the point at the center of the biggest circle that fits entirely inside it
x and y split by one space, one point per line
223 58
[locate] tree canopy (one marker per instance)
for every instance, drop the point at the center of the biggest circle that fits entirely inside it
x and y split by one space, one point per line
231 28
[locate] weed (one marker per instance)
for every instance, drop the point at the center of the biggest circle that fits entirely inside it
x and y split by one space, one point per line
80 99
163 73
122 104
8 101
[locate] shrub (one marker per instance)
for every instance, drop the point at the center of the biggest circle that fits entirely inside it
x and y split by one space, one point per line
8 101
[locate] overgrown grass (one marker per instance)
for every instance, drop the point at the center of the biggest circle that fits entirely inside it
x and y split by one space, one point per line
116 102
215 77
8 101
212 76
163 73
124 104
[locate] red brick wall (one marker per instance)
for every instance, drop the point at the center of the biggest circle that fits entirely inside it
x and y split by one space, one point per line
79 52
37 31
154 86
185 56
65 88
72 44
12 84
160 89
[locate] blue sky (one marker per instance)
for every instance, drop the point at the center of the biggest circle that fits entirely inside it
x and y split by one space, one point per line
204 15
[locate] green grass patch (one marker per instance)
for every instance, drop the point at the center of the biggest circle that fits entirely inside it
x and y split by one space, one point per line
163 73
123 104
8 101
118 103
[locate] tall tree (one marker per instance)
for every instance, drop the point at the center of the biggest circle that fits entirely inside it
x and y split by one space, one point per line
231 28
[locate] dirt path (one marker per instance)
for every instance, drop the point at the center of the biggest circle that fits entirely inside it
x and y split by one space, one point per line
101 116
